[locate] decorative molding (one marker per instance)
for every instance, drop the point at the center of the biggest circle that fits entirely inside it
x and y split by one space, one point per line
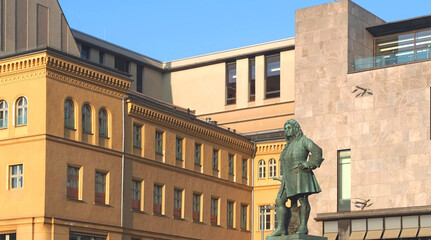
189 127
267 148
62 69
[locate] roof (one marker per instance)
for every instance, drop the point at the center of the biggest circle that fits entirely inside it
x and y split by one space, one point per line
400 26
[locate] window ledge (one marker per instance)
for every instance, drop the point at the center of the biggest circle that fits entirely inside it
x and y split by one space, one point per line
216 225
137 147
102 204
104 137
179 159
1 128
198 222
70 128
89 133
231 228
138 211
23 125
75 200
179 218
160 215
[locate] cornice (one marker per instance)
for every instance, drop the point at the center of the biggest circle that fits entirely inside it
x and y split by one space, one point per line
189 127
268 148
63 69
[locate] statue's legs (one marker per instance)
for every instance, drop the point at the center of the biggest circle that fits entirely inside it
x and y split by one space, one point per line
304 213
283 214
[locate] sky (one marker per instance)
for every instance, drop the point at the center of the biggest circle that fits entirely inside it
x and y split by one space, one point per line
174 29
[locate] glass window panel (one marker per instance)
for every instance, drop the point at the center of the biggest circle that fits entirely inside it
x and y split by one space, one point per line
103 123
3 114
395 43
231 83
344 180
423 39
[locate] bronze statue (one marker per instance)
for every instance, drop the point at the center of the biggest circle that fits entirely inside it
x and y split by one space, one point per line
298 181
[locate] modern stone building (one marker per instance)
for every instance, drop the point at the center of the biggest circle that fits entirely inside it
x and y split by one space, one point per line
100 142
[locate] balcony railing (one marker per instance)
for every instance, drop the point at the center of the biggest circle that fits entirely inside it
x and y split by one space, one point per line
393 58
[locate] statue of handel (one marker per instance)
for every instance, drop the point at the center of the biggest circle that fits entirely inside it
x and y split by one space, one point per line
298 181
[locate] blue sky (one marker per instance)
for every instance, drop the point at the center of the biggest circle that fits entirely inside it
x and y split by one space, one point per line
174 29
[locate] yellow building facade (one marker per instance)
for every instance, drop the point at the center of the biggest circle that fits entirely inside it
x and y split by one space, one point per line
83 158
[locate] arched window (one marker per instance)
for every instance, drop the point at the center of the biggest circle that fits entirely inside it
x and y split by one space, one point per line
21 111
262 169
103 123
69 114
3 114
272 167
86 119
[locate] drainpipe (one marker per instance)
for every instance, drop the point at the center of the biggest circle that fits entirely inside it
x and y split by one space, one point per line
122 163
252 190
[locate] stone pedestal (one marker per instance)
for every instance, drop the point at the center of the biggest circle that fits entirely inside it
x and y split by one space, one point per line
297 237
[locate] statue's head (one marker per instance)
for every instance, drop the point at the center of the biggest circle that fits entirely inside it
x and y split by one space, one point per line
292 129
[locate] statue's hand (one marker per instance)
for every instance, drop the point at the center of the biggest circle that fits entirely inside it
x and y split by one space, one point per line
303 166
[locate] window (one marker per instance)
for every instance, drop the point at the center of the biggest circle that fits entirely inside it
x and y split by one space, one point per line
214 211
100 193
243 220
264 218
121 64
157 206
3 114
179 148
69 114
215 159
398 48
72 182
159 142
103 123
272 88
16 176
86 119
82 236
137 136
231 83
244 168
344 180
196 207
8 236
230 164
85 52
178 196
101 57
262 169
272 168
229 214
21 111
252 80
198 148
136 195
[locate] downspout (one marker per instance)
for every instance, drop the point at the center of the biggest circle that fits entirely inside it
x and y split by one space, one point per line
122 163
252 190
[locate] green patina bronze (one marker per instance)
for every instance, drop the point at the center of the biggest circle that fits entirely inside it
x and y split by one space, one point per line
297 160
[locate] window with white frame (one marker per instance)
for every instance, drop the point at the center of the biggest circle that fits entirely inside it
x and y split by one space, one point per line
21 111
264 218
262 169
3 114
69 114
16 180
272 164
103 123
86 119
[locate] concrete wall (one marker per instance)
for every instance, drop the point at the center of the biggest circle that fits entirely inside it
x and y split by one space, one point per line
387 132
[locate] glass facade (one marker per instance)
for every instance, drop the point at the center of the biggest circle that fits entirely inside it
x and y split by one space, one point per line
344 180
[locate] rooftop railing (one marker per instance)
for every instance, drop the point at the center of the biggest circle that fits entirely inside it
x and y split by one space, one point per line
393 58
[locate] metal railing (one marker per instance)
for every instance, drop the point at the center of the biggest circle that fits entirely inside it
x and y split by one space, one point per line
393 58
